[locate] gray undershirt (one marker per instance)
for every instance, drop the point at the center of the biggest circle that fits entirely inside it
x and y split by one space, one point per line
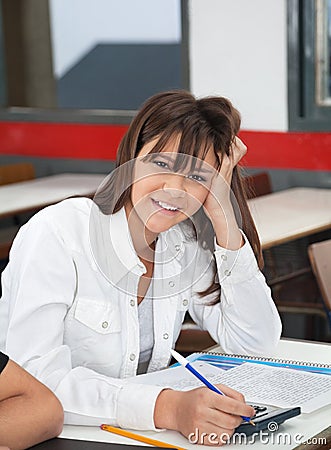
146 330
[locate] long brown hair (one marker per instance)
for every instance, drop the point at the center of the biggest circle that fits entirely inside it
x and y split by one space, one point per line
200 124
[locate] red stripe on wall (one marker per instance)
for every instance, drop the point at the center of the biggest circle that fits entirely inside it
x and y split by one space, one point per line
310 151
57 140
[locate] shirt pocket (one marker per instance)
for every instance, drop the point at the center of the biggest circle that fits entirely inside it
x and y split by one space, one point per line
101 316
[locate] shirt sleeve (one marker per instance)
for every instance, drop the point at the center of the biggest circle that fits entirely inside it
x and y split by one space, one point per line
3 361
245 320
39 286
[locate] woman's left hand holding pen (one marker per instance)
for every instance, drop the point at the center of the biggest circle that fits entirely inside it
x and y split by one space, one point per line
201 415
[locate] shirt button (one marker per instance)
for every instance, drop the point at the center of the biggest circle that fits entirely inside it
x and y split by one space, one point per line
132 357
224 257
132 302
171 284
165 336
185 302
227 272
104 324
177 247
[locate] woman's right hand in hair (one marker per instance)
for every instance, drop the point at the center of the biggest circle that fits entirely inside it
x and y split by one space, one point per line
218 205
237 151
219 195
201 410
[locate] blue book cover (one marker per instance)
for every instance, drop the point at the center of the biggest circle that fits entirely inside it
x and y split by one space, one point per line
226 361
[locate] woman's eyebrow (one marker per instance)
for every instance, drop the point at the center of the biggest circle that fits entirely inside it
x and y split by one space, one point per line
201 169
173 160
168 158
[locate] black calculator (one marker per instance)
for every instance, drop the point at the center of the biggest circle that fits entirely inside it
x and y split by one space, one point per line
267 418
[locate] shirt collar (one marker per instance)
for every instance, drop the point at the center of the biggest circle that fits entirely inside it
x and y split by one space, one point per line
112 247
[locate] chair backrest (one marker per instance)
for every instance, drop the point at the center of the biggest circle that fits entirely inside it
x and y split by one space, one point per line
258 184
320 259
12 173
7 236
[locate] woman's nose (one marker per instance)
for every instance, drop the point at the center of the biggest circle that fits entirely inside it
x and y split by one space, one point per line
174 185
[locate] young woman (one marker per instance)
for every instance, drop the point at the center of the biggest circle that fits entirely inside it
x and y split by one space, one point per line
96 291
29 412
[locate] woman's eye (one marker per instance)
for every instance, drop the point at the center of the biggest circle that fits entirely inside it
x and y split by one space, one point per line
162 164
197 178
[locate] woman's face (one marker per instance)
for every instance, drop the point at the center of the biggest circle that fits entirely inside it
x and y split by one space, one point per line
163 197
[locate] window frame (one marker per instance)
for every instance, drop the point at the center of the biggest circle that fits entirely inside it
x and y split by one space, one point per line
90 116
304 112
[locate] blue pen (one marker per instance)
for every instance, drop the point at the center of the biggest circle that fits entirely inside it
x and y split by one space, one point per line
188 366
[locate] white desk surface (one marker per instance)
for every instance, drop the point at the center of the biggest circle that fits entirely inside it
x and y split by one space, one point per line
290 214
307 425
35 194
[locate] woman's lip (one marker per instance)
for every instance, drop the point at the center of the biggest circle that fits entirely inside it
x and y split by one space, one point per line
164 210
167 203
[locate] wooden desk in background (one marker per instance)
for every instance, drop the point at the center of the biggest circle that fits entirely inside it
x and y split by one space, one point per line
280 217
291 214
35 194
307 425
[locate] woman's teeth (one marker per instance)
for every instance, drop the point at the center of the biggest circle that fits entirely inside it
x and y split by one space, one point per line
166 206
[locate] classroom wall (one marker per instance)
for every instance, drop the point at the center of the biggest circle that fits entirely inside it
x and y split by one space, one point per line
238 49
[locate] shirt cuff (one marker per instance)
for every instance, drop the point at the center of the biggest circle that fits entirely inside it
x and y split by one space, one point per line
235 266
136 403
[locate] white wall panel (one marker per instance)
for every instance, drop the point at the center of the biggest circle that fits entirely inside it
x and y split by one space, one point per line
238 50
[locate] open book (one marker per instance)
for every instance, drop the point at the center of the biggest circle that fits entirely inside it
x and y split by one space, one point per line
279 385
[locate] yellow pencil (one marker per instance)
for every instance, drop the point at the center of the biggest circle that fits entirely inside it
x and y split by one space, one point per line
137 437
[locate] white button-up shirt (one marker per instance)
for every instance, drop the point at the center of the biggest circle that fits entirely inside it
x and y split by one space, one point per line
69 314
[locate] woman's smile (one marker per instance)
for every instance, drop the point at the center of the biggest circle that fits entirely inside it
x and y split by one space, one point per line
169 209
